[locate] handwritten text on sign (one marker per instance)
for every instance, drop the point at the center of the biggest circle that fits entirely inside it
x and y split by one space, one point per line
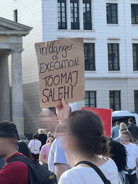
61 71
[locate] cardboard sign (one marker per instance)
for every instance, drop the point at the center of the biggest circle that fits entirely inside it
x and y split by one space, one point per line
106 117
61 71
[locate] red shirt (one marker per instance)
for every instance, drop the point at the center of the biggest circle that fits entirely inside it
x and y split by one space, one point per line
14 173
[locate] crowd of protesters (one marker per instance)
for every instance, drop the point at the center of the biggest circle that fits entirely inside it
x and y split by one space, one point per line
73 147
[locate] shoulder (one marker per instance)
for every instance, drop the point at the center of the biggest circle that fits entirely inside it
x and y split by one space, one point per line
112 173
70 173
15 167
57 149
45 147
114 128
39 141
111 163
133 145
55 144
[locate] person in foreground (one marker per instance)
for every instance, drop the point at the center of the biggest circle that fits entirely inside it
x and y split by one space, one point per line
119 155
57 161
16 172
132 157
82 136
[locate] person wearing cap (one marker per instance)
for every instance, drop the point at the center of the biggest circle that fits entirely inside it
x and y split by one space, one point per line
57 161
15 172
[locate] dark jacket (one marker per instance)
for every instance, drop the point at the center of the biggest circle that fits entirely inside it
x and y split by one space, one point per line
133 130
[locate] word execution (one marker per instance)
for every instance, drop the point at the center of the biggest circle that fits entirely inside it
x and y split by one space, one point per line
61 71
44 67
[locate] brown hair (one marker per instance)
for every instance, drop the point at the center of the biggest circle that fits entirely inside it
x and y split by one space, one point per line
126 132
87 127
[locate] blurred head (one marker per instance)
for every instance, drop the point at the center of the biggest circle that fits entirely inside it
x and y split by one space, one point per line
123 127
117 123
23 148
35 136
126 137
41 131
118 154
48 119
130 120
8 138
50 137
84 134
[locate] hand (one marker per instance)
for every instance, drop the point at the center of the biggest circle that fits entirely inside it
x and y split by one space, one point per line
62 111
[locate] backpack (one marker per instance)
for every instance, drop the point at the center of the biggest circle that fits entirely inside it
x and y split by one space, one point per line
99 172
38 174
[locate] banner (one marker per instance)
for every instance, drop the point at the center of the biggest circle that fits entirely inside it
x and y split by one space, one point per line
106 117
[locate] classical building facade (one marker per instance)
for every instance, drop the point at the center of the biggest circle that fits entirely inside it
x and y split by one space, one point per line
110 32
11 106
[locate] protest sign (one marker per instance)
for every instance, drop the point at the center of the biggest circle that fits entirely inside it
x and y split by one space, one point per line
61 71
106 117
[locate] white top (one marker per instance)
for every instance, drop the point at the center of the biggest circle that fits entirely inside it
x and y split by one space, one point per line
132 154
119 132
56 155
87 175
34 146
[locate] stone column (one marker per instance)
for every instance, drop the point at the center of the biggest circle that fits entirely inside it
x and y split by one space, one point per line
68 16
81 14
17 92
4 88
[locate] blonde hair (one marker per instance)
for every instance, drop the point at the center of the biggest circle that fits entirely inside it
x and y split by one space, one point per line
122 125
41 131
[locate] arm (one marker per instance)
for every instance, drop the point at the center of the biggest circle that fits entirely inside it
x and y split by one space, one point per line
62 111
62 114
60 169
30 145
42 159
137 161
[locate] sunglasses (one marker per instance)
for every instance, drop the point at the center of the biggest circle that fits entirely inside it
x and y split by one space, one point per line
51 136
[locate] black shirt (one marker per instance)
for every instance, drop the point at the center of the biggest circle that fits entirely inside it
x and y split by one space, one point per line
42 138
133 130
